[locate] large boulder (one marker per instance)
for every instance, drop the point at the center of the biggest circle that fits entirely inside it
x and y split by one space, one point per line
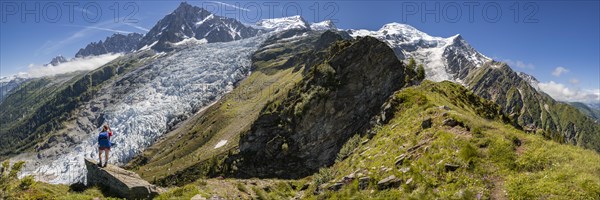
119 182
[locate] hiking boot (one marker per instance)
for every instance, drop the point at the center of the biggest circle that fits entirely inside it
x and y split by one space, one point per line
104 165
99 164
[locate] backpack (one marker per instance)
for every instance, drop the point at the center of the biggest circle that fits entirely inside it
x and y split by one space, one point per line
103 139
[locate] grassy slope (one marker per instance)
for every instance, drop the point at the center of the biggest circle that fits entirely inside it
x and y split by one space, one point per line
495 160
533 110
188 152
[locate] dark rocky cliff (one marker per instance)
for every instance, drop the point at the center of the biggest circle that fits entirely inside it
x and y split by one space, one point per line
303 132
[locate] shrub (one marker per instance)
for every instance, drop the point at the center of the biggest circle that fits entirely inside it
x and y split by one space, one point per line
324 175
26 182
348 148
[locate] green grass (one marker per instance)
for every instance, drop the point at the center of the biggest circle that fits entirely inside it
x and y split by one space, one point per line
496 160
27 188
486 150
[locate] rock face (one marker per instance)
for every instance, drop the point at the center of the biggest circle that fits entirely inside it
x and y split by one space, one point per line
117 43
119 182
335 100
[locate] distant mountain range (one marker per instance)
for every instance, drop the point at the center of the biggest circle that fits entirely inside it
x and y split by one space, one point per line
117 43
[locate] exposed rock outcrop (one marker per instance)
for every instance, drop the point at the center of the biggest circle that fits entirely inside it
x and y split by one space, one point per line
119 182
336 99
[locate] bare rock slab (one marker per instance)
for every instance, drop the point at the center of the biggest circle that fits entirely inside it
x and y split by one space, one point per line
119 182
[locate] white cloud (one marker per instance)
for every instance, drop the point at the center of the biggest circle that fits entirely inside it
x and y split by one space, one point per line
563 93
559 71
519 64
77 64
138 27
50 46
574 81
230 5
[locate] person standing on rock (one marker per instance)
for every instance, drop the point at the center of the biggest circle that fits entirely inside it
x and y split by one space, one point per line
104 144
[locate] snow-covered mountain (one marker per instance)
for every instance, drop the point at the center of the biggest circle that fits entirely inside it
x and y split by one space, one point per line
116 43
284 23
323 26
191 22
444 58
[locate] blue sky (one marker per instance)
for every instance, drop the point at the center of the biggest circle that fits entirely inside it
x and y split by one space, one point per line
556 41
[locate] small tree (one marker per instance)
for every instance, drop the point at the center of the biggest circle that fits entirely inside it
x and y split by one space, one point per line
420 72
8 179
412 63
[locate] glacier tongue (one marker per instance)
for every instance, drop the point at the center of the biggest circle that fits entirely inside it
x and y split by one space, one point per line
172 86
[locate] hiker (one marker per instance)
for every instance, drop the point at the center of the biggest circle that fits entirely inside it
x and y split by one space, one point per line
104 144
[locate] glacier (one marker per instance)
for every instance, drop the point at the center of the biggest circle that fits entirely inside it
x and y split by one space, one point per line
143 103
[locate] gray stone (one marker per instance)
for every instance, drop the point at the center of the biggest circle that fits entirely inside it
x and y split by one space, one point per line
336 186
426 123
119 182
409 181
348 179
389 182
400 159
451 167
198 197
450 122
363 182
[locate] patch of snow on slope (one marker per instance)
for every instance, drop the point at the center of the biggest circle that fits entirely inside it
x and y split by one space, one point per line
191 41
220 144
174 85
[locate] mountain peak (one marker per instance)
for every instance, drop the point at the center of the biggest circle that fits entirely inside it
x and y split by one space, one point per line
406 30
324 25
184 5
57 60
187 22
283 23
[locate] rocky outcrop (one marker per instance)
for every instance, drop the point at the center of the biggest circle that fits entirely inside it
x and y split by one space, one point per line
337 98
119 182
